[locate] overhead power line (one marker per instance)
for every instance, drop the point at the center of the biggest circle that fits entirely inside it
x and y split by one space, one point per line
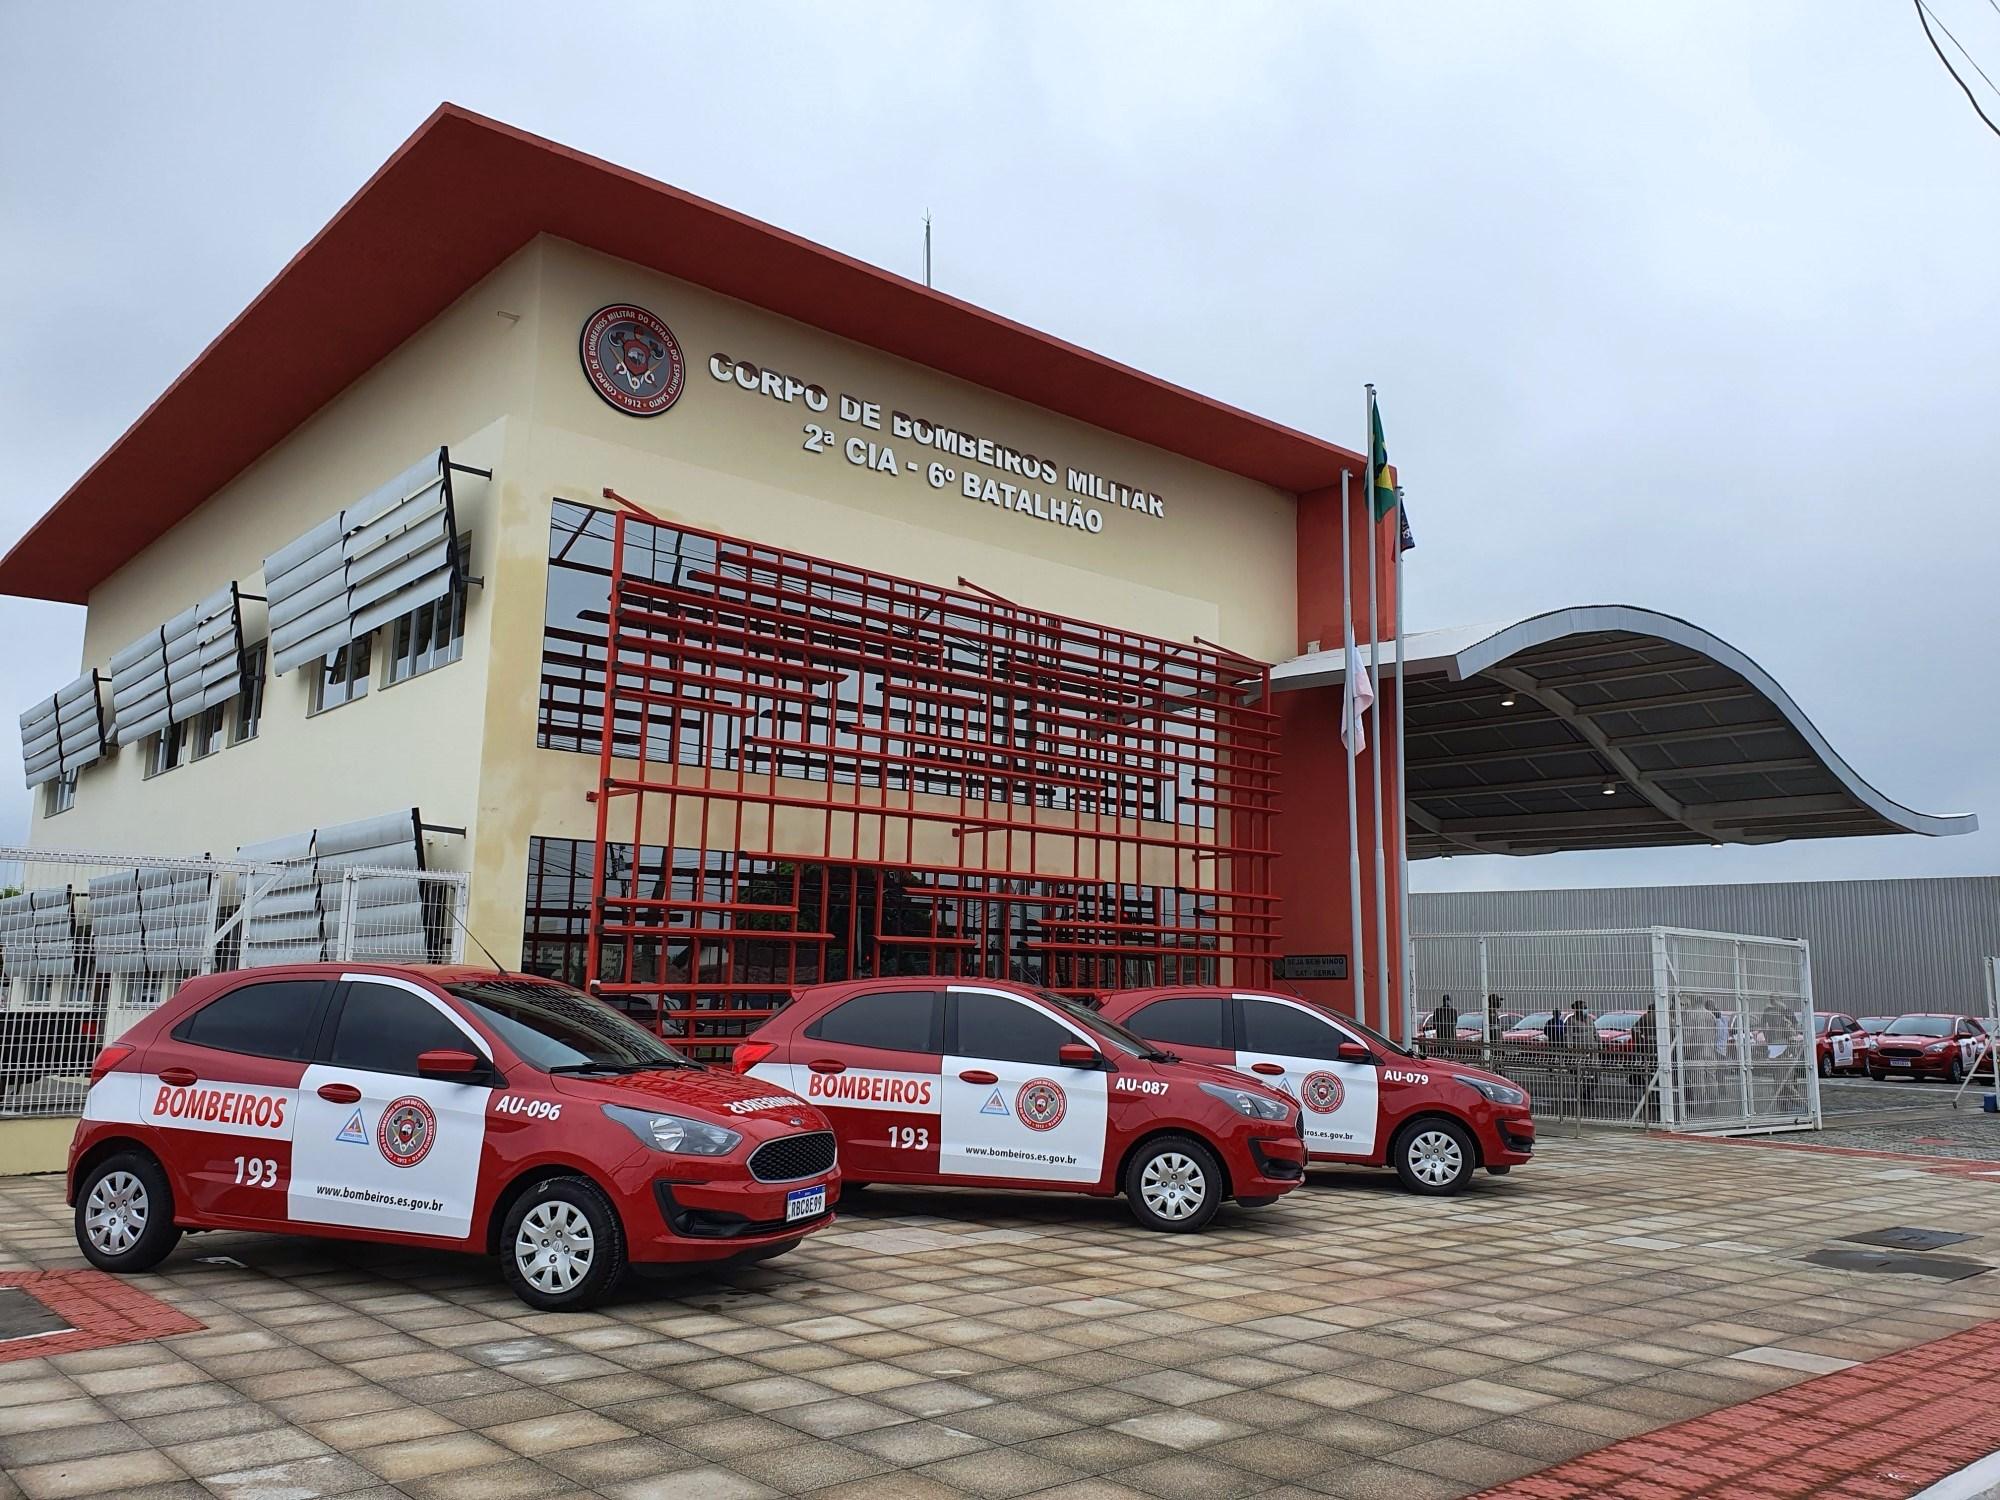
1924 19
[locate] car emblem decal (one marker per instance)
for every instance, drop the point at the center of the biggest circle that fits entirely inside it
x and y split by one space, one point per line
1322 1093
1041 1104
407 1132
632 359
994 1105
355 1131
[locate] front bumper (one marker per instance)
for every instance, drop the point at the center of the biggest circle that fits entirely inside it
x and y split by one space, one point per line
1918 1065
1277 1164
1509 1140
675 1215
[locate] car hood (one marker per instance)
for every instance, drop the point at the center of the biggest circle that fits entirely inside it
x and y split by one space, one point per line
1453 1069
708 1094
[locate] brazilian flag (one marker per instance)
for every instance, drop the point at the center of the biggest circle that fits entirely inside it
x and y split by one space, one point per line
1385 472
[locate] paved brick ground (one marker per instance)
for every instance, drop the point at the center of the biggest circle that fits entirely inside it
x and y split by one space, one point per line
1350 1341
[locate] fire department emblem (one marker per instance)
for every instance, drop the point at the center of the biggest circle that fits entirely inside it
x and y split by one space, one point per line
632 359
1322 1093
408 1131
1041 1104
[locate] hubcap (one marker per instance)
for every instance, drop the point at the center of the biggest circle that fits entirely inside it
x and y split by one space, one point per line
1173 1185
1436 1159
114 1216
555 1247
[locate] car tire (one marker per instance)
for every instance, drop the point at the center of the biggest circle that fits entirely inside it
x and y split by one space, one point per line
1434 1156
1173 1184
1955 1074
125 1213
1826 1067
1877 1077
562 1247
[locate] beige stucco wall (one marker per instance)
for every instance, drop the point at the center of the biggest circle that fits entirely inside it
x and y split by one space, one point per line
1218 564
497 377
412 744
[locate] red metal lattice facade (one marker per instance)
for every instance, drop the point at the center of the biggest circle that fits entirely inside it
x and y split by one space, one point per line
811 770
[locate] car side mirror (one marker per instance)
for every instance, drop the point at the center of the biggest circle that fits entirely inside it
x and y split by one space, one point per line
1352 1052
449 1062
1078 1055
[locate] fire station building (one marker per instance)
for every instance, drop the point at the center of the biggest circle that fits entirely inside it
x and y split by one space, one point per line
941 645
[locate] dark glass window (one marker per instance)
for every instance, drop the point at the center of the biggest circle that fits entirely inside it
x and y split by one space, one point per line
1279 1029
895 1020
1009 1030
1190 1021
383 1029
263 1020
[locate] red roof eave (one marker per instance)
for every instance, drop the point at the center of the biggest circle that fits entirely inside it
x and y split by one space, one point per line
455 200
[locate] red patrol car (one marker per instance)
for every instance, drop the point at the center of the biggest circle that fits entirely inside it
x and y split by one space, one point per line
1840 1043
457 1108
1928 1046
1366 1099
998 1085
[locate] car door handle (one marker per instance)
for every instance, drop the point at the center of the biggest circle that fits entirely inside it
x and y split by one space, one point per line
180 1078
1270 1070
978 1075
827 1065
340 1093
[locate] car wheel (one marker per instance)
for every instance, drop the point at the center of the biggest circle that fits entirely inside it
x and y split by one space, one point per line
1877 1077
1825 1067
563 1247
1955 1073
125 1213
1174 1183
1434 1157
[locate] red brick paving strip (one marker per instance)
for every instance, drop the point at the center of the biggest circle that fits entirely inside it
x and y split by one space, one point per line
1878 1431
101 1309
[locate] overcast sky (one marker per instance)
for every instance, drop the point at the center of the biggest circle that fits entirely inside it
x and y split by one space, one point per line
1684 305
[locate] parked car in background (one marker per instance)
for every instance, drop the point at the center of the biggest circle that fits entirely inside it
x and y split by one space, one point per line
1876 1025
1365 1098
1841 1044
1614 1031
1931 1045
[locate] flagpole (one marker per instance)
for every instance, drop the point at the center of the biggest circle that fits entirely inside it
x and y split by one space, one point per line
1375 733
1407 979
1355 966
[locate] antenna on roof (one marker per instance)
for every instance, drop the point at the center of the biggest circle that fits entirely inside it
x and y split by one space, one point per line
927 247
451 911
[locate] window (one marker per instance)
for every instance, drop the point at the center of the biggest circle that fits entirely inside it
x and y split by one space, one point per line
383 1029
205 733
272 1019
59 795
1009 1031
894 1021
1285 1032
1191 1021
342 677
432 634
163 750
250 702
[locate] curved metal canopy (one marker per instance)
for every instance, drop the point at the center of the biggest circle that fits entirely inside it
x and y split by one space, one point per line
1611 727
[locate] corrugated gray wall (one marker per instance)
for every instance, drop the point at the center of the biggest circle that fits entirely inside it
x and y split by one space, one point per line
1878 946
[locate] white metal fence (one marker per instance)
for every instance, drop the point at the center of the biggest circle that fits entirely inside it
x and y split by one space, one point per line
91 942
1655 1026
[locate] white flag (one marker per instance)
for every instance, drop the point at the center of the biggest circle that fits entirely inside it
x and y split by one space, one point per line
1360 694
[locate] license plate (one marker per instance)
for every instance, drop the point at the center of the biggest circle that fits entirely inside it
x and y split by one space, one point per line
805 1203
1899 1062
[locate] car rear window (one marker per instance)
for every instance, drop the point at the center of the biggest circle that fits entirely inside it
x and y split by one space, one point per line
890 1021
268 1019
1186 1021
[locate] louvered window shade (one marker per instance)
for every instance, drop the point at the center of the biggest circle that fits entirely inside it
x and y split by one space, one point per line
295 916
38 934
152 920
374 561
175 673
64 732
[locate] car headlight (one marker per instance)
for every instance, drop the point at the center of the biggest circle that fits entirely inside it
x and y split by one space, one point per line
1256 1106
673 1133
1499 1093
1937 1046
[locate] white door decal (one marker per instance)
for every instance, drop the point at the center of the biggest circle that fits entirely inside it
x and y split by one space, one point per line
1340 1100
1035 1120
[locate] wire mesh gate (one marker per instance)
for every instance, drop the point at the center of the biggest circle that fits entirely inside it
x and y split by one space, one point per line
1654 1026
843 772
90 942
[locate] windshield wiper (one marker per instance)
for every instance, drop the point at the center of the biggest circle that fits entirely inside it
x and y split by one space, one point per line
618 1067
1154 1054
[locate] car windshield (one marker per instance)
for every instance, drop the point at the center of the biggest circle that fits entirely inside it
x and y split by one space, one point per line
1376 1037
558 1029
1875 1023
1920 1026
1619 1020
1533 1021
1821 1022
1109 1031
